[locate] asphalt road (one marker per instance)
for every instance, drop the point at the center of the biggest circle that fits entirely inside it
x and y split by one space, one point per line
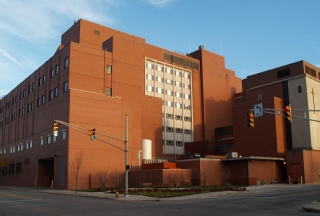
264 200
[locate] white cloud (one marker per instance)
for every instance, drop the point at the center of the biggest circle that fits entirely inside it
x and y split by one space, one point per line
160 3
8 56
35 20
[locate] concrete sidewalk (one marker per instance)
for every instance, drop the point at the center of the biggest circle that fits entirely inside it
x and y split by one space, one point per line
310 207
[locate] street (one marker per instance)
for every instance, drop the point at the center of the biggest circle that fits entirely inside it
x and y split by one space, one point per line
262 200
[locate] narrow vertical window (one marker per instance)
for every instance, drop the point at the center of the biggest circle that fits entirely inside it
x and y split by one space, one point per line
108 91
66 62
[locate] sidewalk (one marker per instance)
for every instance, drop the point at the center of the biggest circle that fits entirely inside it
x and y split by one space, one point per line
310 207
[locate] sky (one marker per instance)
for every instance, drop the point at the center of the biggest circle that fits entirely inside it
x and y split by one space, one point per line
252 35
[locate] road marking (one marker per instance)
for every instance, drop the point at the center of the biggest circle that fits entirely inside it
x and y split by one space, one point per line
18 196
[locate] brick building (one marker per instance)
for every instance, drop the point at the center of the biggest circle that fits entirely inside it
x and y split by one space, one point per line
296 84
96 77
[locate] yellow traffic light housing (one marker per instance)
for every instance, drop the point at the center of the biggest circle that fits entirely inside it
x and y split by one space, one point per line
55 129
287 114
250 120
93 133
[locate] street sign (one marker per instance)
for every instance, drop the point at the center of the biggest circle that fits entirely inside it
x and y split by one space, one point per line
258 110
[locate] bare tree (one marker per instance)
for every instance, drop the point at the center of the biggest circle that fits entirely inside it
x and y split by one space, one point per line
174 178
102 177
116 178
203 177
226 173
76 163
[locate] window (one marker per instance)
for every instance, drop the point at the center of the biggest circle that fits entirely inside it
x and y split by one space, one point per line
187 131
178 84
52 73
299 89
169 129
43 99
41 140
159 79
169 92
168 70
54 139
56 92
169 103
32 86
186 106
187 118
178 105
44 79
186 86
179 130
186 96
29 144
168 81
40 81
12 149
49 138
57 69
159 68
149 65
169 142
65 86
4 171
11 169
283 73
51 94
66 62
109 91
64 134
186 75
179 143
259 96
149 88
149 77
178 94
109 69
159 91
169 116
18 168
178 73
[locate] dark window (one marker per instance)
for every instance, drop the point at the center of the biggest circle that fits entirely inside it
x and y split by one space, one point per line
65 86
11 169
283 73
18 168
299 89
66 62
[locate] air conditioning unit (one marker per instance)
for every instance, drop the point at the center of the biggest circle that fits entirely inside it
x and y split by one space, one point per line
232 154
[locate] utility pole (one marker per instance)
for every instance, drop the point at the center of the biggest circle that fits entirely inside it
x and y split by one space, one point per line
93 137
126 156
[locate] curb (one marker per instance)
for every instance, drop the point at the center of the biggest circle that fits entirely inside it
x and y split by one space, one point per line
312 207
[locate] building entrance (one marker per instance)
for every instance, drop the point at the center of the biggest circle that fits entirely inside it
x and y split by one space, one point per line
45 172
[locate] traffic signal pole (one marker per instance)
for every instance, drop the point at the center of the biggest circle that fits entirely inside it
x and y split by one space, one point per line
85 131
126 156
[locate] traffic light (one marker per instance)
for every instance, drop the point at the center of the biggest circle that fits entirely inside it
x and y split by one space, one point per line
93 133
287 114
250 120
55 129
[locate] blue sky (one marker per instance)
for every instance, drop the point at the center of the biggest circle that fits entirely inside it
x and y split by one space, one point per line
252 35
